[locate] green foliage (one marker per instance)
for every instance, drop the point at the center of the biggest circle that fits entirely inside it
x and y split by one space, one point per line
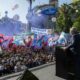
64 18
77 23
68 16
75 0
60 22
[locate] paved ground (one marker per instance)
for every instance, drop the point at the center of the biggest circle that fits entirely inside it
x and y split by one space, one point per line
47 73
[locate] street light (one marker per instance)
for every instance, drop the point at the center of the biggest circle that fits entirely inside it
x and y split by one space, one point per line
54 21
76 11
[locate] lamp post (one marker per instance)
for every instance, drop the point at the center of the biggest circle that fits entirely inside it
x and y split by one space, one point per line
30 3
29 12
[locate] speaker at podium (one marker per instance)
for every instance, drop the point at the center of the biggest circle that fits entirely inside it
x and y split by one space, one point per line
28 75
64 63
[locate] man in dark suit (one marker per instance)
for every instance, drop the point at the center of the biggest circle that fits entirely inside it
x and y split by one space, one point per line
75 48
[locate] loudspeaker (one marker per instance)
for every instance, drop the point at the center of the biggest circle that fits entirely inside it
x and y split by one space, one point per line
28 75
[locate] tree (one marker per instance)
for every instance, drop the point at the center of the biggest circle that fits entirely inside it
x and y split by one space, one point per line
68 16
64 19
77 23
75 1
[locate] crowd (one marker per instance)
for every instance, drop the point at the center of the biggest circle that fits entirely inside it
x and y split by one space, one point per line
15 59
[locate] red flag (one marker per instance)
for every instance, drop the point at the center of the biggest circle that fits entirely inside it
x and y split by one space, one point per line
1 35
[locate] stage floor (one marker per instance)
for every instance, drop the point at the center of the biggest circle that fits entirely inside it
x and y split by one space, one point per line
47 73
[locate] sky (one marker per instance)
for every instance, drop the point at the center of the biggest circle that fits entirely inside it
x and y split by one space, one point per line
20 7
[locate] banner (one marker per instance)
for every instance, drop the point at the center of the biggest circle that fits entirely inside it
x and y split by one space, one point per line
40 31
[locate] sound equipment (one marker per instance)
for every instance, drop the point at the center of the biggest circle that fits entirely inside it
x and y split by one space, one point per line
28 75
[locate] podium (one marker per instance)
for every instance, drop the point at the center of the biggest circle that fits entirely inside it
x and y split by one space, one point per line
64 63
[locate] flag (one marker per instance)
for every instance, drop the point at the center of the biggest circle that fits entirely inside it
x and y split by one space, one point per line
39 42
1 35
62 39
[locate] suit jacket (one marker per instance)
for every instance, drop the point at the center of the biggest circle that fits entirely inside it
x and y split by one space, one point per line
75 45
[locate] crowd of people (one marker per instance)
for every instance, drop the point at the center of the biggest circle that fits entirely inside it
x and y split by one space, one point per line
15 59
